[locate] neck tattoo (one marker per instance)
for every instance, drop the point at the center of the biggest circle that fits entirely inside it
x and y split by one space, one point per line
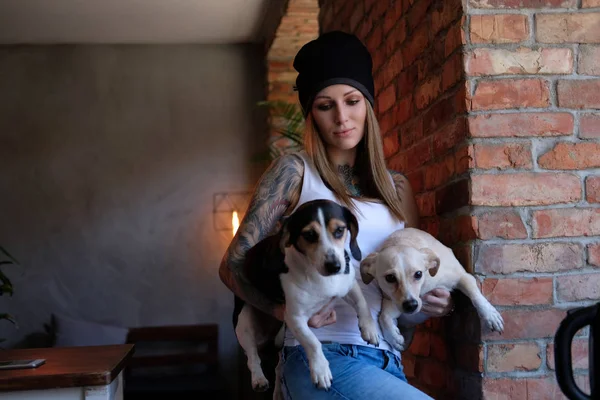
350 179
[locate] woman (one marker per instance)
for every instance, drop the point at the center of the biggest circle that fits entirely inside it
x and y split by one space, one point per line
343 161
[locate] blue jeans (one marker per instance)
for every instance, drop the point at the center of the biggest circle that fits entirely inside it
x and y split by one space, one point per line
359 372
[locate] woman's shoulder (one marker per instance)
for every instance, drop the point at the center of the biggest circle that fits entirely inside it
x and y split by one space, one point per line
289 164
395 173
284 175
407 197
401 184
399 178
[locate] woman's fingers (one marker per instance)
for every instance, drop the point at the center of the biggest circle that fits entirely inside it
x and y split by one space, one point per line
325 316
322 319
331 318
441 293
434 301
437 302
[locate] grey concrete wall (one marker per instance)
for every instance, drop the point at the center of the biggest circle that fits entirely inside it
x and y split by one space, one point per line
109 160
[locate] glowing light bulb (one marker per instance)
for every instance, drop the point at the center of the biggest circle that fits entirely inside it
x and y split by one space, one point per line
235 222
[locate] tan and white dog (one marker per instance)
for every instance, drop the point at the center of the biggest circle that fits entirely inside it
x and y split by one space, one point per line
410 263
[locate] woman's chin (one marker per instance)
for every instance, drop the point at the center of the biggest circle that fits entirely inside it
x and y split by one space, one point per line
345 143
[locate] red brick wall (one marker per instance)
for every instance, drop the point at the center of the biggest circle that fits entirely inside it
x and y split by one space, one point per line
534 137
420 90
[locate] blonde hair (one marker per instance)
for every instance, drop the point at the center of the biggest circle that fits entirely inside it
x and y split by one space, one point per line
376 183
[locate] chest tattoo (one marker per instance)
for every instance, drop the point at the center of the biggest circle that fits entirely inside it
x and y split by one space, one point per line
350 179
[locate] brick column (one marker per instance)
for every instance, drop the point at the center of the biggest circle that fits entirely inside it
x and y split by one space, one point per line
489 108
530 68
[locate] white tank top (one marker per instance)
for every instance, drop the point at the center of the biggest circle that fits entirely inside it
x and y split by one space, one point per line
375 223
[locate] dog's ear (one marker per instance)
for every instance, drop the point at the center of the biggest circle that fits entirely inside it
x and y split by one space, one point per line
284 232
282 221
367 268
432 261
353 228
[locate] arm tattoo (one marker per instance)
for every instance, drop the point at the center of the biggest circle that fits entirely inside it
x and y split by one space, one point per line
399 180
276 191
406 197
350 178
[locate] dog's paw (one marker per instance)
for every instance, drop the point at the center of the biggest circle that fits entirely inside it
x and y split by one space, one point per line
398 343
368 331
320 373
260 384
395 339
494 320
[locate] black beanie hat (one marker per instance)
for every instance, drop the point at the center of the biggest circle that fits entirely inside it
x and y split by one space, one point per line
333 58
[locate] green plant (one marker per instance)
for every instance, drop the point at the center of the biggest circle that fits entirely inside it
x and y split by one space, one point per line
6 286
286 129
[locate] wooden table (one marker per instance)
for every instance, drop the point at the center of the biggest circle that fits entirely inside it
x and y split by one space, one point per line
90 373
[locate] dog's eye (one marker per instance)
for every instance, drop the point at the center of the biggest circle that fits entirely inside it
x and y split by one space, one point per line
418 275
310 236
390 278
339 232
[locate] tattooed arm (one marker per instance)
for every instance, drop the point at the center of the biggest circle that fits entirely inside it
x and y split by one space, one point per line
276 193
407 197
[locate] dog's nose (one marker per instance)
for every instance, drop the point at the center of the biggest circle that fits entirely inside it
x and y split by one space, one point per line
410 305
332 266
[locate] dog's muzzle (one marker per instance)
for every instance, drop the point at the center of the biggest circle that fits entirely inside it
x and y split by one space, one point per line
332 264
410 306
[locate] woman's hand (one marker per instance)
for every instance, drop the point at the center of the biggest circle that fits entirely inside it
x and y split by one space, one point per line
437 303
325 316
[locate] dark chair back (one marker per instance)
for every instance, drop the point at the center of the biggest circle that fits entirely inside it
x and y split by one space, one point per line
179 359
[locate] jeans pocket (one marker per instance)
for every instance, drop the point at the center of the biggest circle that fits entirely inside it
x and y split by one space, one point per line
393 365
399 367
389 363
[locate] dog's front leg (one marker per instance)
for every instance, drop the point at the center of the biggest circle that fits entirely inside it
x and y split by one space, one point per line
389 324
318 364
366 323
485 309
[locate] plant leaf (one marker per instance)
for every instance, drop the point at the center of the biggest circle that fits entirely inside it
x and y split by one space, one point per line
286 123
291 136
9 318
2 250
6 286
6 289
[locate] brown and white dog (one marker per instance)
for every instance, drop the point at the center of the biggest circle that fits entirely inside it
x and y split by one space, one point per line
410 263
306 265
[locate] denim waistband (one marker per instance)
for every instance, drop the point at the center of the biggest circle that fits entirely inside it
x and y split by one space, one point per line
353 350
